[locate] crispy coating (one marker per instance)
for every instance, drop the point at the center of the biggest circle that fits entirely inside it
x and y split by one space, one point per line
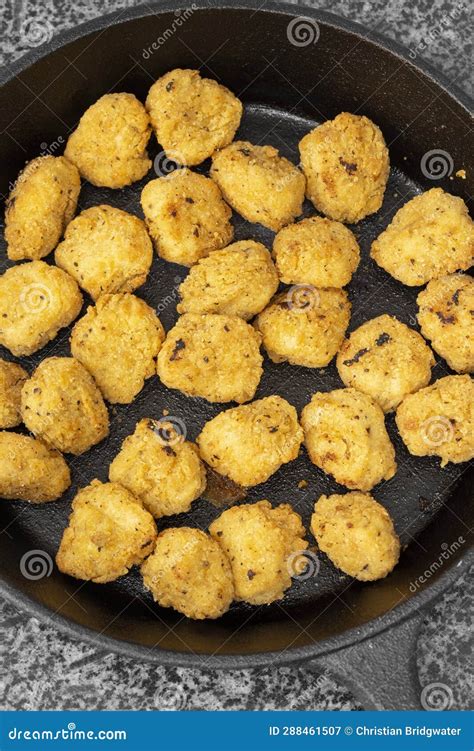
346 164
216 357
189 571
30 471
118 341
40 206
109 144
36 301
186 216
108 532
259 184
446 310
62 405
239 280
316 251
249 443
106 250
439 420
261 544
357 535
12 378
192 116
346 437
305 326
163 470
428 237
386 360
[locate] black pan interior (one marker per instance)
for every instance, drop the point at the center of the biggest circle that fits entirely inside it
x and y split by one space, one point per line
287 90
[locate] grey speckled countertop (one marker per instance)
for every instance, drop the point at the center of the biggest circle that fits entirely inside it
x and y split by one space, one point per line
41 667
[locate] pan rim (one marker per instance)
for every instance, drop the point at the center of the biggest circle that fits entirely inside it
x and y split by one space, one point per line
409 606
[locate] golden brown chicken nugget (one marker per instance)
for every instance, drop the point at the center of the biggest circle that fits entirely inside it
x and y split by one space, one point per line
62 405
316 251
428 237
118 341
161 468
346 165
259 184
261 543
357 535
305 326
12 378
108 532
385 359
109 144
249 443
446 310
106 250
36 301
189 571
238 280
30 471
216 357
346 437
439 420
186 216
192 116
40 206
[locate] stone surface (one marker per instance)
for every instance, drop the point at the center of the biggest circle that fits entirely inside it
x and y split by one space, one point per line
41 667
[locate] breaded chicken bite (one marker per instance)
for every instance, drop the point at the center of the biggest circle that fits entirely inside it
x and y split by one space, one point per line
118 341
428 237
261 543
446 310
216 357
62 405
259 184
158 466
106 250
40 206
439 420
12 378
385 359
192 116
30 471
36 301
346 165
248 444
239 281
357 535
186 216
346 437
316 251
189 571
109 144
305 326
108 532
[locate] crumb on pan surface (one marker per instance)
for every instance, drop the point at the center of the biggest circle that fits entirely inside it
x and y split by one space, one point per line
189 571
159 467
192 116
108 532
29 470
249 443
40 206
357 534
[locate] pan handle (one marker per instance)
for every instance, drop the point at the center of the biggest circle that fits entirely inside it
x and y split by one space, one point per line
380 670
